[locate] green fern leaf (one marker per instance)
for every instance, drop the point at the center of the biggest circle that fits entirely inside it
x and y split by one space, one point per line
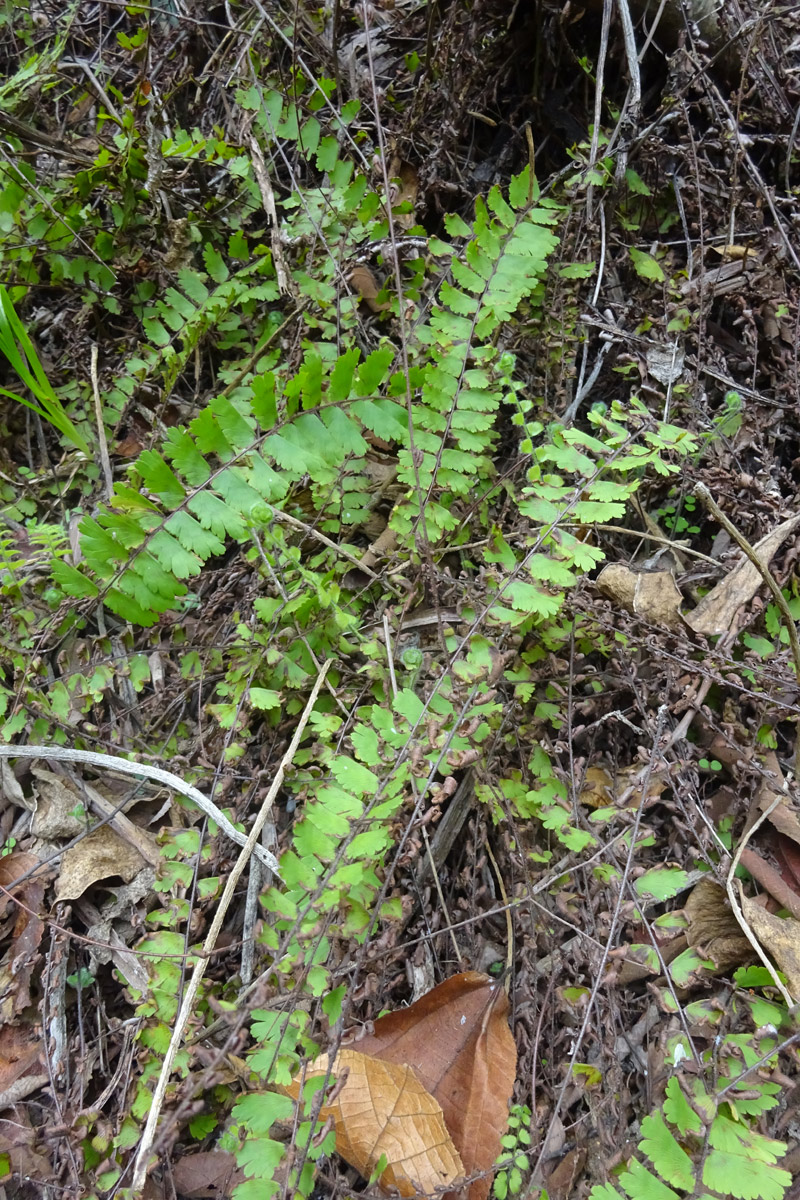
193 286
341 378
214 514
155 331
179 303
159 479
382 417
265 408
209 436
660 1146
193 537
99 547
180 447
173 556
72 582
344 433
641 1184
129 609
741 1163
237 430
522 190
215 264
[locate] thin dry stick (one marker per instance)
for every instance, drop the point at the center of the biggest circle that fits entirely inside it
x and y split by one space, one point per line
633 100
734 903
655 753
440 894
101 429
126 767
268 200
599 75
389 654
146 1141
311 532
702 492
509 923
425 838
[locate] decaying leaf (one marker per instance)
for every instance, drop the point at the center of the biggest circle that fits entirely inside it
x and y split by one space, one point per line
403 190
457 1040
779 937
665 363
21 1057
713 929
364 282
25 926
452 1054
117 848
383 1109
100 855
600 788
21 1142
209 1175
651 595
783 816
716 611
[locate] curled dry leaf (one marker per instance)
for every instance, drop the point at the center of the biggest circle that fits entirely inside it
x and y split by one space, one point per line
457 1040
600 788
364 282
783 817
450 1052
713 929
716 611
209 1175
651 595
22 920
779 937
100 855
383 1109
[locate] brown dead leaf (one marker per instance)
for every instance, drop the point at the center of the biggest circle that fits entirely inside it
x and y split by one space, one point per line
618 583
780 938
788 855
713 929
716 611
403 190
457 1040
562 1179
600 788
783 817
383 1109
651 595
364 282
100 855
21 1142
26 927
21 1055
209 1175
60 812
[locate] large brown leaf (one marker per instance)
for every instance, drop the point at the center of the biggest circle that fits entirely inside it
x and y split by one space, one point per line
457 1041
383 1109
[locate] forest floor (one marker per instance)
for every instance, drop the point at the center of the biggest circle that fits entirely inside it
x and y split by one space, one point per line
593 803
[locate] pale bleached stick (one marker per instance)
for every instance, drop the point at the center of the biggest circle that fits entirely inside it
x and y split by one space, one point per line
65 754
146 1140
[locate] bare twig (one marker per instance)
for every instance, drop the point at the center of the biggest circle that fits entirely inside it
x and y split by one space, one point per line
656 752
66 754
250 847
737 909
268 200
102 443
702 492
